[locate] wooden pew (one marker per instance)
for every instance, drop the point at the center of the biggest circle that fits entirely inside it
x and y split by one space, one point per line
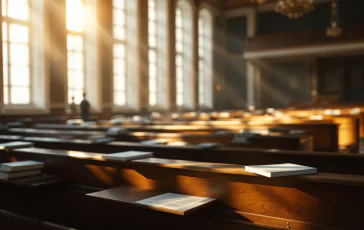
288 142
326 162
314 201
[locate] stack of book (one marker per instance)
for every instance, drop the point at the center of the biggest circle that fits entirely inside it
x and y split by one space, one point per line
19 169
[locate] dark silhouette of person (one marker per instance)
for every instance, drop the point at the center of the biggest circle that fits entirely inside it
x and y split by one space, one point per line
85 108
72 108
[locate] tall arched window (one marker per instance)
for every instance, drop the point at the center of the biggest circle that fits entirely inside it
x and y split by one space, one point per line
82 51
184 54
158 46
125 61
75 49
23 54
205 57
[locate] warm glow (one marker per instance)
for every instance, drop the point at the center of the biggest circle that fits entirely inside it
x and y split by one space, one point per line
75 15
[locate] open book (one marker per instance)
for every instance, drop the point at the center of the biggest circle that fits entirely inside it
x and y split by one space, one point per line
279 170
175 203
127 156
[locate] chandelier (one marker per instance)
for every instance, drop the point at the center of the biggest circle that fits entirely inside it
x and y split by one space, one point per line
334 30
294 8
258 1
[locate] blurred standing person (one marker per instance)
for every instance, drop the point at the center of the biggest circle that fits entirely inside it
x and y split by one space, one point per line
72 109
85 108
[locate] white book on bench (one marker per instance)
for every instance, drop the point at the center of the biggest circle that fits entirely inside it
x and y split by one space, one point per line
127 156
21 166
18 174
16 145
208 145
154 142
280 170
175 203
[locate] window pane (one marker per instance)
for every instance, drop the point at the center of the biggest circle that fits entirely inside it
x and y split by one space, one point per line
119 82
200 52
151 3
152 14
5 31
75 93
19 76
119 32
18 33
152 28
18 9
6 95
20 95
118 17
119 66
74 43
179 60
152 85
179 47
152 71
152 41
201 65
152 56
178 18
74 15
152 99
179 100
75 80
5 52
179 73
119 4
119 98
19 54
75 61
179 34
4 6
119 50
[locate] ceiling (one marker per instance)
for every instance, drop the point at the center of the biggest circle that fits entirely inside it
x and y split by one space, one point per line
231 4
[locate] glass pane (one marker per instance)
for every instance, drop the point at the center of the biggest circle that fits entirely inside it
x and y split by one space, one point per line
19 54
75 93
152 56
75 61
20 95
152 41
152 71
74 15
119 4
18 33
119 66
201 65
6 95
5 31
75 80
152 28
5 52
4 6
201 41
179 100
119 50
19 76
179 73
179 86
179 34
200 52
151 3
5 74
118 17
152 14
74 43
153 99
179 47
18 9
119 32
152 85
119 82
179 60
119 98
178 18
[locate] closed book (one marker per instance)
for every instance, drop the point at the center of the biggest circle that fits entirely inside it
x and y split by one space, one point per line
114 131
12 175
154 142
16 145
208 145
127 156
280 170
21 166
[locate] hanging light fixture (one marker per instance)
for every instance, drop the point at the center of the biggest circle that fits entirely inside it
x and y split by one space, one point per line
295 8
258 1
334 30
